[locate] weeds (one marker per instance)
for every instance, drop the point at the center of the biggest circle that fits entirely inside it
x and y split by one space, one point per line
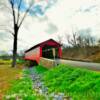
81 84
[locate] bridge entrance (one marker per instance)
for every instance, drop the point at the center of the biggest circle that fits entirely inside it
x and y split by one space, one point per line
50 51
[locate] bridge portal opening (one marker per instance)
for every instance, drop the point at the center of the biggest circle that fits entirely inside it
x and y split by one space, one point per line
48 52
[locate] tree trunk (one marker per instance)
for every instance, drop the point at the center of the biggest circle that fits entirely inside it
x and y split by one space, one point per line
14 49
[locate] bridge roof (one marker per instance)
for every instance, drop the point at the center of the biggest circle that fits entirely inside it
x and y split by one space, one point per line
42 44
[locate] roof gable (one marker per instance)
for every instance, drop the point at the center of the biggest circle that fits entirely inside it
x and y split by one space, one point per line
43 43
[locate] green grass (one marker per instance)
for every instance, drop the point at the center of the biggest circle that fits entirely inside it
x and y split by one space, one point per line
37 69
80 84
5 62
20 61
9 61
40 69
21 89
7 74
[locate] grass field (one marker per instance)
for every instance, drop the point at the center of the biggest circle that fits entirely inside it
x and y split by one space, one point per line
80 84
7 74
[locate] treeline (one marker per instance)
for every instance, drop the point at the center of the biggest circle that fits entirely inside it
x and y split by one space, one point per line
9 57
81 47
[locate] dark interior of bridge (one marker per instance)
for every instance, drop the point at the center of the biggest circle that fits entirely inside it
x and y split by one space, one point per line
47 52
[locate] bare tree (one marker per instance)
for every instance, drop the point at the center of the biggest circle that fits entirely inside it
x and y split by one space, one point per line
98 42
17 22
18 19
72 40
59 39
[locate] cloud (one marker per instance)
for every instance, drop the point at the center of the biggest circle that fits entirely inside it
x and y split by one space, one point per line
38 8
4 36
51 29
57 17
88 9
85 32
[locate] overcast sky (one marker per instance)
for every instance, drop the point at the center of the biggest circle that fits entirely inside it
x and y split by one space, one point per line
59 19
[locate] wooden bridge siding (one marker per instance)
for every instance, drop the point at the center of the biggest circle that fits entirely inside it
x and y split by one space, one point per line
33 55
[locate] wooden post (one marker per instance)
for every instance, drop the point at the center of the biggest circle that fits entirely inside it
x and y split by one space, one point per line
54 54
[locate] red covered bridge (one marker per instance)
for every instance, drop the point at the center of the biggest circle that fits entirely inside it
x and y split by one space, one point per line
49 49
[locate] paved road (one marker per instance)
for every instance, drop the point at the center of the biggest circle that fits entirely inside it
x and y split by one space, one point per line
88 65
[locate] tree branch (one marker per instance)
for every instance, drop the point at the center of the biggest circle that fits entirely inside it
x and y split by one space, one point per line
18 15
25 15
8 30
13 11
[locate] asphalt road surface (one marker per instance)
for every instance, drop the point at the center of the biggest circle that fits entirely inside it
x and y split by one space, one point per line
88 65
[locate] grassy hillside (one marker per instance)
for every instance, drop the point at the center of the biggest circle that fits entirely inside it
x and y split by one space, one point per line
90 54
95 57
80 84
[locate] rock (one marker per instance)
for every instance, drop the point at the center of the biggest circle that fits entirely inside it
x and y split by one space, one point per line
41 89
44 89
67 98
58 97
52 94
